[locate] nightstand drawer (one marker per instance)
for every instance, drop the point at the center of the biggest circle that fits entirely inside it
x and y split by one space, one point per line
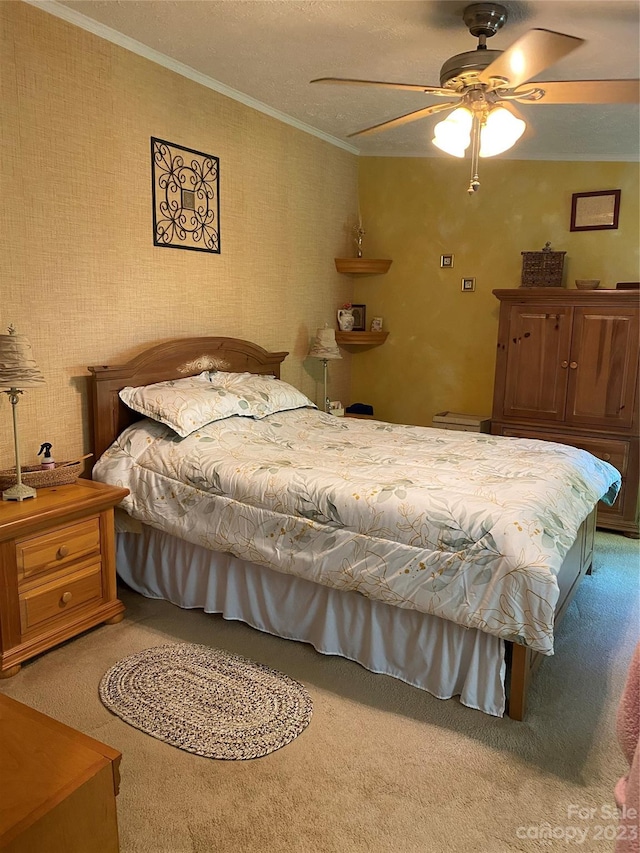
57 548
60 596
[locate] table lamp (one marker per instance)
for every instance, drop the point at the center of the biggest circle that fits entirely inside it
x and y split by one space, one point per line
325 348
18 370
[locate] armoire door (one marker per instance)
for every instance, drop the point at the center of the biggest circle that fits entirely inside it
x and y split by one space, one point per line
603 367
537 362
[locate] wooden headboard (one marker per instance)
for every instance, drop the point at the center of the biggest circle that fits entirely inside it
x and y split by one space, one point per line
170 360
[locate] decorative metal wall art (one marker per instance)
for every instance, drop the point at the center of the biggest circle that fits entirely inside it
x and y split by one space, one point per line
186 197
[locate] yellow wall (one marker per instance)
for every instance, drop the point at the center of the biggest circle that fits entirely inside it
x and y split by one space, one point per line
440 353
80 275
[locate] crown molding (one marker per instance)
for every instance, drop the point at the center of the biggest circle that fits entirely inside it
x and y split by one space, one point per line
109 34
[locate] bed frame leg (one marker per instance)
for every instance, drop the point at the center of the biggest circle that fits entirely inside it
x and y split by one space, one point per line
519 684
521 661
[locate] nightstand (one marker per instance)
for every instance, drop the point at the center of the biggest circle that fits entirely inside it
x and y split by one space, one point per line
57 568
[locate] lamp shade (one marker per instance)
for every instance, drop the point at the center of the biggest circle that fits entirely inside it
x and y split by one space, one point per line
18 368
324 344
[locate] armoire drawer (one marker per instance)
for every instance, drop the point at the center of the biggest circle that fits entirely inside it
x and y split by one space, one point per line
614 451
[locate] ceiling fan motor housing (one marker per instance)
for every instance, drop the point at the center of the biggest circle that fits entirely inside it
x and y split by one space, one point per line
484 19
463 69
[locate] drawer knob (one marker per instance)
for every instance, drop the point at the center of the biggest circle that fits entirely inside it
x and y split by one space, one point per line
63 551
66 597
606 456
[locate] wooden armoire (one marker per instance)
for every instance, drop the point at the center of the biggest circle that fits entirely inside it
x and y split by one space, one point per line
567 371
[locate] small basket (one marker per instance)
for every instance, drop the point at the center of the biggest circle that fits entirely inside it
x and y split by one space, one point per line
542 269
39 478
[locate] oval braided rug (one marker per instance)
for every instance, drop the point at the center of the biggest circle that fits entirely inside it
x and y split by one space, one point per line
207 701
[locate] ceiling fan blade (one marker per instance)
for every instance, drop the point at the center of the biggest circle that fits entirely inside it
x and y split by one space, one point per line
582 92
412 87
405 119
530 54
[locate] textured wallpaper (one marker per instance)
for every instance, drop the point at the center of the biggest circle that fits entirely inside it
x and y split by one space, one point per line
80 275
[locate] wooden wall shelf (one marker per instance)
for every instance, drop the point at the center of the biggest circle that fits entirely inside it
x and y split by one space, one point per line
371 339
362 266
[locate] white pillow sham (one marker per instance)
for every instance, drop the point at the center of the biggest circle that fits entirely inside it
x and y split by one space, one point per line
265 394
187 404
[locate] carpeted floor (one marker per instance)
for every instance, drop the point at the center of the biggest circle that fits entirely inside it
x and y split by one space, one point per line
382 767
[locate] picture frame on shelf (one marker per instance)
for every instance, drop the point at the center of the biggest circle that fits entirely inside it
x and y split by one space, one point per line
376 324
595 211
359 317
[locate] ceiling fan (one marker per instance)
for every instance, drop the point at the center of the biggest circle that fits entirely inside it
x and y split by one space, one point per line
484 85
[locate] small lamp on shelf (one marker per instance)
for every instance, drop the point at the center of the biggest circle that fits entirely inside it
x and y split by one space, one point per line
326 349
18 370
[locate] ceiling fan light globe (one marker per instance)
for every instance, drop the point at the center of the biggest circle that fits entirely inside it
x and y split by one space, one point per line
500 132
450 146
453 135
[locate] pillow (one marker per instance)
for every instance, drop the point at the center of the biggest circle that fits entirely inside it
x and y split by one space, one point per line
185 405
265 394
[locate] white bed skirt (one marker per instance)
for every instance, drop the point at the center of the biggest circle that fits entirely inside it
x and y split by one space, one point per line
433 654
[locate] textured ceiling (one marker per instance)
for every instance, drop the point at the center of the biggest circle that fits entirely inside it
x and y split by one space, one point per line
269 50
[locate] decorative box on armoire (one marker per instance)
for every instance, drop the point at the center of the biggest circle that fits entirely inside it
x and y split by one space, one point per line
567 371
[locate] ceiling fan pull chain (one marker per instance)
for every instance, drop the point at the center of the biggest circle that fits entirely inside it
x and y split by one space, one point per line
474 183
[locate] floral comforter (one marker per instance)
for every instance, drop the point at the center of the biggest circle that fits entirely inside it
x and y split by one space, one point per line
466 526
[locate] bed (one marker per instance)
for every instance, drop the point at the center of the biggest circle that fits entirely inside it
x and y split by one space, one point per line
366 539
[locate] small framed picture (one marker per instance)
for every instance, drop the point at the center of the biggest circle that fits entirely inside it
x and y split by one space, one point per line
468 284
376 324
595 211
359 317
446 261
